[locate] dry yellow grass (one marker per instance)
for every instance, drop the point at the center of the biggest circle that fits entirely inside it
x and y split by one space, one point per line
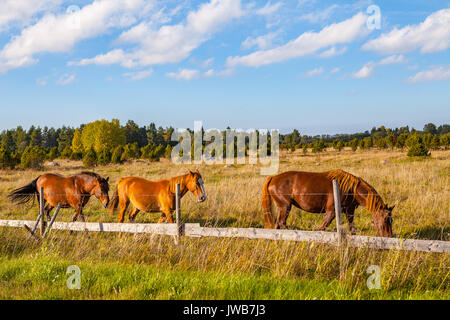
421 186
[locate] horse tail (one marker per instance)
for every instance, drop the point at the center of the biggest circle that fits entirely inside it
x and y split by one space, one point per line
114 203
267 205
24 194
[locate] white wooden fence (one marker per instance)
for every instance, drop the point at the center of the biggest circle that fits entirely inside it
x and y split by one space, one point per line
195 230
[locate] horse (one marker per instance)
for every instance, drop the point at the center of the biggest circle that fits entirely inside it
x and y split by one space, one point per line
149 196
74 191
313 192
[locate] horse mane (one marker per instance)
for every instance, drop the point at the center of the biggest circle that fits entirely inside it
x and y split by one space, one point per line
349 183
91 174
177 180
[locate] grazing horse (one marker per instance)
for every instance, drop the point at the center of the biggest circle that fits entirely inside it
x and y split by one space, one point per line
74 191
313 192
149 196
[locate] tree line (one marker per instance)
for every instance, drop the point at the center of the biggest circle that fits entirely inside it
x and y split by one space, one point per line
102 142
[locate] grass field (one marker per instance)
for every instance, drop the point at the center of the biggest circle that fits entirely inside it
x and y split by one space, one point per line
151 267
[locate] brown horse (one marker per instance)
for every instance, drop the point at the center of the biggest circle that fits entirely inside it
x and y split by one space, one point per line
74 191
149 196
313 192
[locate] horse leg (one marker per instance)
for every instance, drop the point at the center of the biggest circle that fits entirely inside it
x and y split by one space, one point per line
48 208
283 214
329 216
133 214
123 207
169 216
350 215
162 218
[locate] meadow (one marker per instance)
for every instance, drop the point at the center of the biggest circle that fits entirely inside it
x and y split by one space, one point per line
151 267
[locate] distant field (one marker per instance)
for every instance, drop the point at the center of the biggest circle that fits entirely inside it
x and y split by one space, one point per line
152 267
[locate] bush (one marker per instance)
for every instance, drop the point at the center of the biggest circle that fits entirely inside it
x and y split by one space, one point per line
117 155
66 153
76 156
7 160
90 158
53 154
418 150
104 157
152 152
33 157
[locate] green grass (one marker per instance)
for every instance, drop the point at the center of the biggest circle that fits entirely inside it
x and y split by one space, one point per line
41 277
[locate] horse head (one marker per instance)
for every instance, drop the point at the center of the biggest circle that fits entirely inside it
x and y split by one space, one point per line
194 183
100 190
383 221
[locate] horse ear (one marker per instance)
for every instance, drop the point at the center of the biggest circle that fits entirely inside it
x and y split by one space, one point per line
196 171
392 208
107 179
190 172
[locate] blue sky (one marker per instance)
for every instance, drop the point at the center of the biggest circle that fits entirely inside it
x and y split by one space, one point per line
311 65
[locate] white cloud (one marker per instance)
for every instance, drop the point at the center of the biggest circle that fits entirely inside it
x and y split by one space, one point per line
335 70
307 43
184 74
269 9
65 79
20 12
60 32
207 63
332 52
170 43
431 35
313 72
439 73
139 75
367 70
318 16
262 42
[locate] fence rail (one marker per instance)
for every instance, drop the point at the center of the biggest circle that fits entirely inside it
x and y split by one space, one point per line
195 230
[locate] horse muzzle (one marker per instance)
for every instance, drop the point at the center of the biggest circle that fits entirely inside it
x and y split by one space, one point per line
202 199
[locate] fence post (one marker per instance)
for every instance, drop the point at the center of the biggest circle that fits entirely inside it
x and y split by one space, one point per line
41 210
337 210
52 220
178 213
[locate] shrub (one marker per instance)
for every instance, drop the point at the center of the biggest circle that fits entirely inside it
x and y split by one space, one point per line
418 150
104 157
66 153
168 152
152 152
7 160
90 158
117 155
53 154
33 157
76 156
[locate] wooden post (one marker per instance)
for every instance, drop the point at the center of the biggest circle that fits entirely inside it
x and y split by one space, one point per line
178 213
337 210
343 250
52 220
41 210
